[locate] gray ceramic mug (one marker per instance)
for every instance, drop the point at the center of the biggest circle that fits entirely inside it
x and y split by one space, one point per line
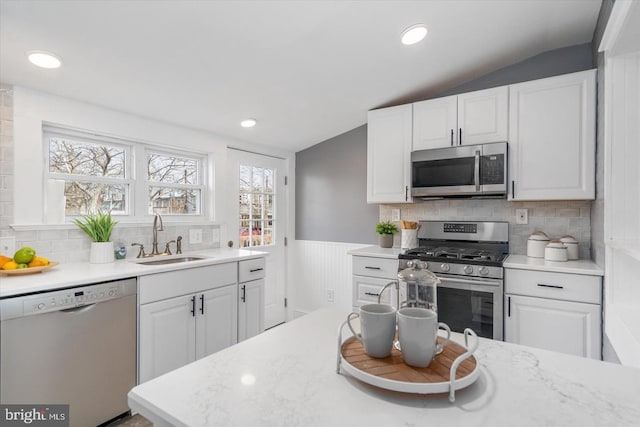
378 328
418 334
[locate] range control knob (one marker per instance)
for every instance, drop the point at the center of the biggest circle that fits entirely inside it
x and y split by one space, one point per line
445 267
484 271
467 269
112 292
40 306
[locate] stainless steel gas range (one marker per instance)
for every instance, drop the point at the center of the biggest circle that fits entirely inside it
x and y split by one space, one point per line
467 258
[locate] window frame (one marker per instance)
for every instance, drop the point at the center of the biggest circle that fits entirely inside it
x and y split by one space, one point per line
135 173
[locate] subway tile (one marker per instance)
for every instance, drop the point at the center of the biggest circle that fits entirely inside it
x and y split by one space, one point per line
53 235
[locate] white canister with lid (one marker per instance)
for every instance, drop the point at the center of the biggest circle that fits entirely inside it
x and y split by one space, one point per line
536 244
555 251
572 246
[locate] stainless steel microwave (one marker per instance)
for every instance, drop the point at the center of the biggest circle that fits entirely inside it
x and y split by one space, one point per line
462 171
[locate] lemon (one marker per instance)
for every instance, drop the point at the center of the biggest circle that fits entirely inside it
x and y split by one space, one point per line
10 265
24 255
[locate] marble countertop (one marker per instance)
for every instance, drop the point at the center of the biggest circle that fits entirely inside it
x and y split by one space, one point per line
376 251
582 266
286 377
81 273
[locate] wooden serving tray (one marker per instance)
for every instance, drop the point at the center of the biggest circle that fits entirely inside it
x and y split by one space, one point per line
391 373
393 367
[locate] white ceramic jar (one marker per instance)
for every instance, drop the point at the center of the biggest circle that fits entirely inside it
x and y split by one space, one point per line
556 251
536 244
572 246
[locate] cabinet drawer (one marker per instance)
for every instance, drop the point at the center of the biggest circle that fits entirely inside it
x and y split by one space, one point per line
375 267
159 286
366 290
560 286
251 269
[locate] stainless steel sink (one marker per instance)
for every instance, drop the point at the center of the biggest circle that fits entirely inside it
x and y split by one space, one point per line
162 261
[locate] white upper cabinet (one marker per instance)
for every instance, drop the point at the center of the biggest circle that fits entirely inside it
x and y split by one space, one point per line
389 155
483 116
470 118
435 123
552 138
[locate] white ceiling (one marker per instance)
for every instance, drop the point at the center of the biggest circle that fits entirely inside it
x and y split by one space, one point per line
306 70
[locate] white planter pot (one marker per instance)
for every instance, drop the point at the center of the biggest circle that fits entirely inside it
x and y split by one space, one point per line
101 253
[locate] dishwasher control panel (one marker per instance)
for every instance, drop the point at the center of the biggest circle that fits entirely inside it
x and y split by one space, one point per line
67 298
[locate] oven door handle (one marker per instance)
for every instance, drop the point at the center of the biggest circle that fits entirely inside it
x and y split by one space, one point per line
476 170
470 282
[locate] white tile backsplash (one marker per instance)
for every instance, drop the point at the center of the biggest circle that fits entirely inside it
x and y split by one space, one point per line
556 218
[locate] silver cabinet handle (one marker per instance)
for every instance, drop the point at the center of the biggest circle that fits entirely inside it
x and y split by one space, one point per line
542 285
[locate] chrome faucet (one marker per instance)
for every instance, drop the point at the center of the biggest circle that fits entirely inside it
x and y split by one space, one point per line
157 217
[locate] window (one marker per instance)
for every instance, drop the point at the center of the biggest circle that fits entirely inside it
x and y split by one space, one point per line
256 206
98 173
174 184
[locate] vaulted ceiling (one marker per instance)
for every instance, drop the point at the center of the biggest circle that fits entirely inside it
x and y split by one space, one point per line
306 70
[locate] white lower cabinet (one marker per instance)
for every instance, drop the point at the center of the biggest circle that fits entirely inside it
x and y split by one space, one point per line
216 321
167 336
554 311
370 275
188 314
250 311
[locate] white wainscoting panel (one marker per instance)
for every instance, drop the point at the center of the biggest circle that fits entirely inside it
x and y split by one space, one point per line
315 268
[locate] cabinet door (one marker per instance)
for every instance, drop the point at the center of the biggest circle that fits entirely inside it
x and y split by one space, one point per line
435 123
483 116
552 138
216 320
167 336
563 326
389 155
251 309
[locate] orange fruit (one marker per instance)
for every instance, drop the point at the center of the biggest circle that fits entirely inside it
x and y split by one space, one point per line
38 262
4 260
11 265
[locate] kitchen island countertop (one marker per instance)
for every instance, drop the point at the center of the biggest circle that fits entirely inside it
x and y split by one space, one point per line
286 377
72 274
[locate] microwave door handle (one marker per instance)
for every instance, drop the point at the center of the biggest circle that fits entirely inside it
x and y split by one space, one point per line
476 171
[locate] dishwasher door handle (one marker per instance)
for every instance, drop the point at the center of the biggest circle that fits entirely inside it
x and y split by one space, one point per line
76 310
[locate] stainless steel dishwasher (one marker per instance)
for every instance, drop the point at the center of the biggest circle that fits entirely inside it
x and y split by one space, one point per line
75 346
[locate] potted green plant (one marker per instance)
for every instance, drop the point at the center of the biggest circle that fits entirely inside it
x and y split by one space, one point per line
386 230
98 226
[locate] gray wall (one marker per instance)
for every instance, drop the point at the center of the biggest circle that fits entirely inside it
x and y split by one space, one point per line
331 177
552 63
331 191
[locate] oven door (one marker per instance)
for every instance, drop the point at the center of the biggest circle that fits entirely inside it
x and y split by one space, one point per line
453 171
471 303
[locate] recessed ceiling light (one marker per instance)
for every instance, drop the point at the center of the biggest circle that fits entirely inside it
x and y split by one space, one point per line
413 34
44 59
248 123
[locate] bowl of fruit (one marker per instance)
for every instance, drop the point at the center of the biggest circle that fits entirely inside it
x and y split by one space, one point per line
24 261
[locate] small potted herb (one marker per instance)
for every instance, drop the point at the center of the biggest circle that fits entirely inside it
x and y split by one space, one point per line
98 227
386 230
